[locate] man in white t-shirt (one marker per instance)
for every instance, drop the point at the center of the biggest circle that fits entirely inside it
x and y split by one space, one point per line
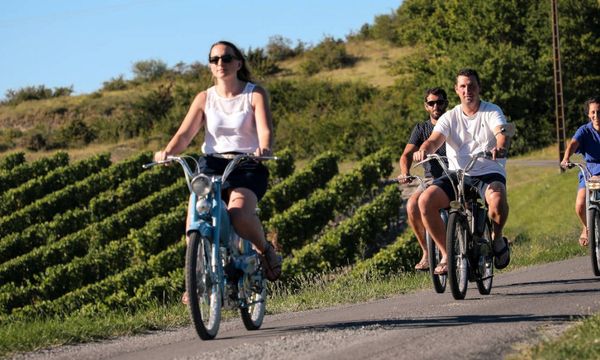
471 127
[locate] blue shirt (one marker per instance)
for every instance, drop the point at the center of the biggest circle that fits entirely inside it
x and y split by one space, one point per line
589 146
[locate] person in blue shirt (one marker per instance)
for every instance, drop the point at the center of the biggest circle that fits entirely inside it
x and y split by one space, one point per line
586 142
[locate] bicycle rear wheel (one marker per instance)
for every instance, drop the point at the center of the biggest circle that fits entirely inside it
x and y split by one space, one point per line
593 239
439 281
485 263
456 246
204 294
253 306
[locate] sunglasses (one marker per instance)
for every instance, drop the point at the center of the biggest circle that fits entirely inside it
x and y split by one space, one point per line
227 58
438 102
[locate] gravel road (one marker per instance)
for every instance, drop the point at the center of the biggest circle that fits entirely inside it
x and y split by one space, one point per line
525 305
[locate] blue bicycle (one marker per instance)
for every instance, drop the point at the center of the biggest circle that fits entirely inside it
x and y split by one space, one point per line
592 200
222 270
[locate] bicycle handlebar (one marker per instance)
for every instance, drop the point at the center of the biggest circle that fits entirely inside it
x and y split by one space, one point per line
189 174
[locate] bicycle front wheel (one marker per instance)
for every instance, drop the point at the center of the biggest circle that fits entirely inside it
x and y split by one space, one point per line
204 294
456 246
593 238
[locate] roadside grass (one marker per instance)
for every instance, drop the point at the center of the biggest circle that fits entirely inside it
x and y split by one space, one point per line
578 342
542 226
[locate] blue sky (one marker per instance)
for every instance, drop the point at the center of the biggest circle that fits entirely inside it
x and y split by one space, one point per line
82 43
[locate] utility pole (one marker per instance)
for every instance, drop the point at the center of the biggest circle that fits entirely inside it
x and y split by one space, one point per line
558 87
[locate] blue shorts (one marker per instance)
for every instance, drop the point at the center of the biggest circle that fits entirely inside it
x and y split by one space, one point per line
250 174
480 183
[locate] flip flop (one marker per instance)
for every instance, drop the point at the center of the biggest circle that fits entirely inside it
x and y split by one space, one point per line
441 269
583 241
502 254
422 265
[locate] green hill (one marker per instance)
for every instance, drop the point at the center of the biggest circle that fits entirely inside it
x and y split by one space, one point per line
354 95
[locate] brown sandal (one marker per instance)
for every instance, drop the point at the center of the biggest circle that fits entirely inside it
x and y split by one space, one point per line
441 269
271 263
422 265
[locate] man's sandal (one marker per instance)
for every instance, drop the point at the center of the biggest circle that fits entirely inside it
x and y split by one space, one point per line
422 265
441 269
502 257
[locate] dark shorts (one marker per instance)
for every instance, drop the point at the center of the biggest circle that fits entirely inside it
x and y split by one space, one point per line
480 183
249 174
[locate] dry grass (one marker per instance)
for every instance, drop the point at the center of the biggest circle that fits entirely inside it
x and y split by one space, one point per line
373 60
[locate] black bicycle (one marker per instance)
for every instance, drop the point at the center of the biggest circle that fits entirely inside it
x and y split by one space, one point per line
468 233
434 254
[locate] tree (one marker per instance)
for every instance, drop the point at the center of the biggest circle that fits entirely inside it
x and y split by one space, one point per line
148 70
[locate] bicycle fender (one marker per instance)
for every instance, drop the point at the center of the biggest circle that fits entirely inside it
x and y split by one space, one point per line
204 228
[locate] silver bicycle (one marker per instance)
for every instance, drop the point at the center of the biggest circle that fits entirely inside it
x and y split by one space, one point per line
592 201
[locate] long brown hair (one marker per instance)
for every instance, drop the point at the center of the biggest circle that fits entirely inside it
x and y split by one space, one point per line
243 73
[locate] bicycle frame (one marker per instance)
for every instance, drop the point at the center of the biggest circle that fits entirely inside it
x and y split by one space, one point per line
231 257
473 257
592 202
592 193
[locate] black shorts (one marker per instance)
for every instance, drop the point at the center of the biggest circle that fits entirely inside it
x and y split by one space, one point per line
480 183
249 174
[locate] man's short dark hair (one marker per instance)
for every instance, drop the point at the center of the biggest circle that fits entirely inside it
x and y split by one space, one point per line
468 73
437 91
591 100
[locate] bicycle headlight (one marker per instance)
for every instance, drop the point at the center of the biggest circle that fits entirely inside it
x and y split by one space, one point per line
203 206
201 185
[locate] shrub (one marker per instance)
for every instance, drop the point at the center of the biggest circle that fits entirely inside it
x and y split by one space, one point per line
260 63
14 97
279 48
118 83
76 133
148 70
330 54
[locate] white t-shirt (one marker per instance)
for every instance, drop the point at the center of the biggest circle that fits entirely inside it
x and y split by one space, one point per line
468 135
230 123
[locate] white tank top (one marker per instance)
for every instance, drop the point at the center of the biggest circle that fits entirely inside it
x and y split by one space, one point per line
230 124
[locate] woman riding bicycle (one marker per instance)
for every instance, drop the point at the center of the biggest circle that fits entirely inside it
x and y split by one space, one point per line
586 141
236 118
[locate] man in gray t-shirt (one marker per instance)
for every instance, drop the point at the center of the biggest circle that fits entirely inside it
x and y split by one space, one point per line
436 102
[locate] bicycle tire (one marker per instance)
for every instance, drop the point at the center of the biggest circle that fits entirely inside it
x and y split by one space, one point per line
439 281
253 306
458 263
485 263
593 239
204 294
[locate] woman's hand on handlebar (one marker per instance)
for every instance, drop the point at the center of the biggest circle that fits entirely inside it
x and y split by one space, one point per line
566 164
